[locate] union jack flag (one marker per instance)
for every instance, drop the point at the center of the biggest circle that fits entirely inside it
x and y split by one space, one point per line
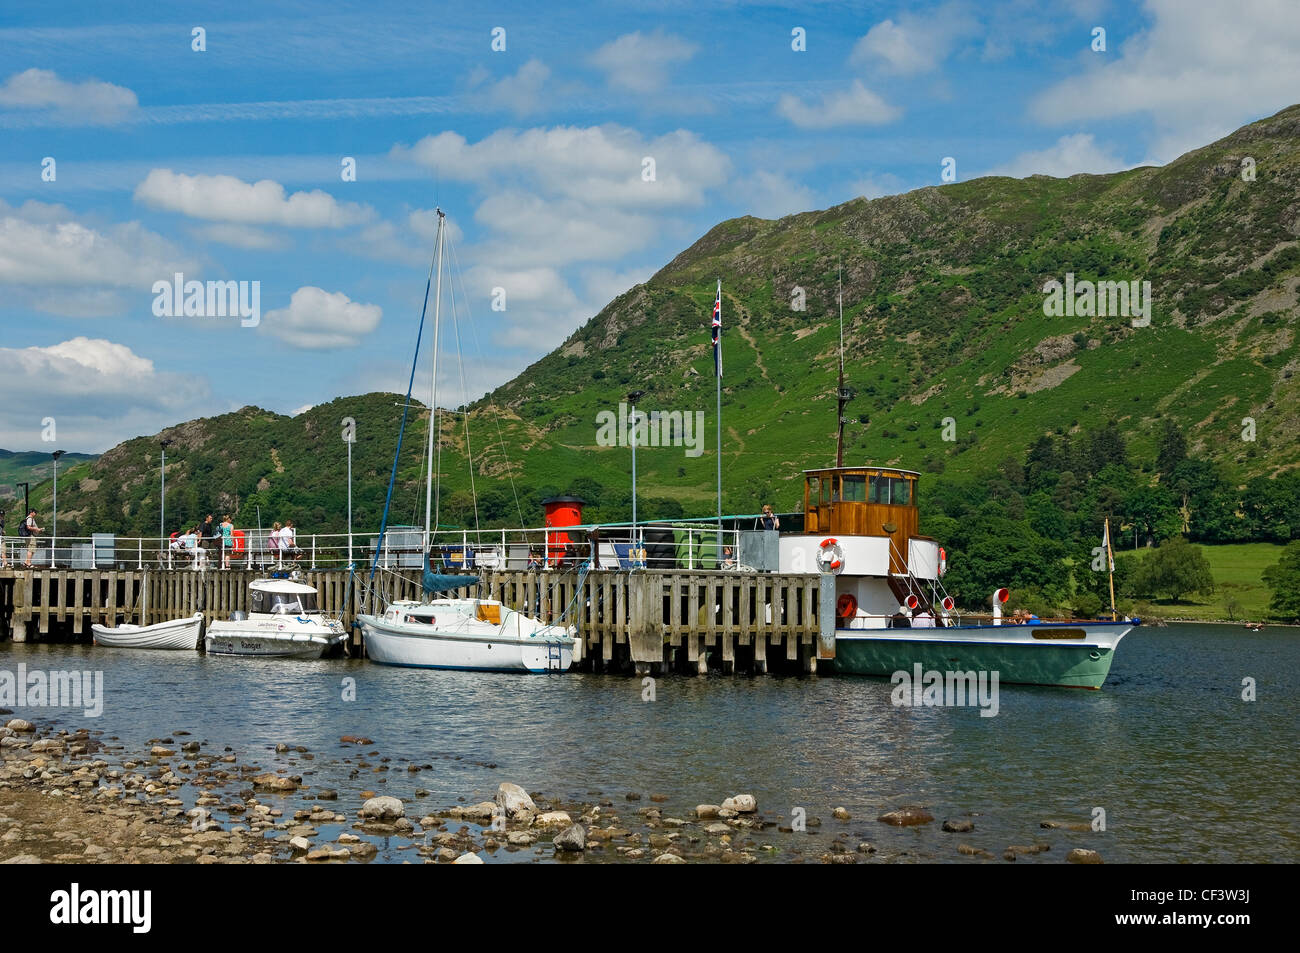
717 332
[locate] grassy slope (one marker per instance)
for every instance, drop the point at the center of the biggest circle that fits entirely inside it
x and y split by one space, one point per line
1237 572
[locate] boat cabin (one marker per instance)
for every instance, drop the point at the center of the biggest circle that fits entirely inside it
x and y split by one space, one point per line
861 501
281 597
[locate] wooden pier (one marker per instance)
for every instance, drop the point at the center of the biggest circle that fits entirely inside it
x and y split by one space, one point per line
647 621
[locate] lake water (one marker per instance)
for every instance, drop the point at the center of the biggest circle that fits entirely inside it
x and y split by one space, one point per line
1184 768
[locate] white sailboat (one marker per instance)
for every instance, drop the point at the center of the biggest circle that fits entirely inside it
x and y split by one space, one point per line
457 633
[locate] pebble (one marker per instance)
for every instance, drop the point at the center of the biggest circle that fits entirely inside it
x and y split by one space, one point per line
1083 856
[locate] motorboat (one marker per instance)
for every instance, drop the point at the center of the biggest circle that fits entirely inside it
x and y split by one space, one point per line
284 620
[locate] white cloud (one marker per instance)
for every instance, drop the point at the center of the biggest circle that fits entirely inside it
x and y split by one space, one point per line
321 320
915 42
773 195
1199 72
639 62
597 164
93 102
61 266
520 93
224 198
852 107
1070 155
98 392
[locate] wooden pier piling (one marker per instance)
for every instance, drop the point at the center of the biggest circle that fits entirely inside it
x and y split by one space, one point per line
646 622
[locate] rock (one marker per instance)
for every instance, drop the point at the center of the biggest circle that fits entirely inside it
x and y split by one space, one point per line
363 849
383 808
52 745
329 794
22 858
158 751
907 817
21 726
554 819
300 843
669 859
355 740
659 798
520 838
839 858
704 811
841 814
325 852
717 828
190 746
736 857
513 799
349 839
572 838
958 825
741 804
274 782
281 748
469 858
972 851
866 848
1082 856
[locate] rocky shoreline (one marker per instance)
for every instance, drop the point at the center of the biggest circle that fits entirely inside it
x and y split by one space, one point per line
74 796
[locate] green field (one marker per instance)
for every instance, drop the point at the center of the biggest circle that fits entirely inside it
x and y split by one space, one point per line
1238 571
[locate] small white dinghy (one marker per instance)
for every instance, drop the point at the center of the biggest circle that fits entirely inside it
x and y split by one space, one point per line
176 634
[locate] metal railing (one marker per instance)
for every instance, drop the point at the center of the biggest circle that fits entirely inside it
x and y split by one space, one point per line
653 546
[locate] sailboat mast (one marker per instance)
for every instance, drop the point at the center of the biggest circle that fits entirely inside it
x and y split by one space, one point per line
433 389
840 394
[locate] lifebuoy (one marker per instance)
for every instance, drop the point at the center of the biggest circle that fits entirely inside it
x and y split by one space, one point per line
943 561
830 558
846 607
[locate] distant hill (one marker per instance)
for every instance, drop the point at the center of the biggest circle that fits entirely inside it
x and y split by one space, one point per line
945 337
31 466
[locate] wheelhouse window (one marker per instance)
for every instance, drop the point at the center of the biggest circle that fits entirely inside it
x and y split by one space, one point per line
854 488
878 490
900 491
814 488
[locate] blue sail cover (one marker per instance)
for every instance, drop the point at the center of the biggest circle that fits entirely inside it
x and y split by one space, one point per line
444 582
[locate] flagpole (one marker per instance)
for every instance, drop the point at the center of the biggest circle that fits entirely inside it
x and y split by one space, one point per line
718 380
1110 563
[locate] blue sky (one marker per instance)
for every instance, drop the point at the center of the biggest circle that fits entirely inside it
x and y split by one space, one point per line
225 164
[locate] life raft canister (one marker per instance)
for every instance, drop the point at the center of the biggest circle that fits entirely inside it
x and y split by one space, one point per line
943 561
846 607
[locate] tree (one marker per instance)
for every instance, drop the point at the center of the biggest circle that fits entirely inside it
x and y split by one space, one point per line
1173 449
1283 577
1174 569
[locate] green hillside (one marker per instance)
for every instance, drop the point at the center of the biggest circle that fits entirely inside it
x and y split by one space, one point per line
1029 429
30 466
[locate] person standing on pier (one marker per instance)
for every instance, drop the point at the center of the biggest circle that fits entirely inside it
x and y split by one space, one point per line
208 533
227 540
31 531
3 563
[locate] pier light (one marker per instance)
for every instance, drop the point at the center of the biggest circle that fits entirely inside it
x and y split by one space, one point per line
632 398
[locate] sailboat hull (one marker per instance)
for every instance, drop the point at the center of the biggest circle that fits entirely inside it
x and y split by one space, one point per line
405 645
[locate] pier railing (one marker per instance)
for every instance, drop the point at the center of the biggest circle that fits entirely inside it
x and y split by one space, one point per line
676 545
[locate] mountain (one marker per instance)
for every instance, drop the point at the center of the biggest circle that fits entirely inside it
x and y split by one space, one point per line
955 365
30 466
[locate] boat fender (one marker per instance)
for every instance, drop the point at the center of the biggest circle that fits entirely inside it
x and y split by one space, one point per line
847 606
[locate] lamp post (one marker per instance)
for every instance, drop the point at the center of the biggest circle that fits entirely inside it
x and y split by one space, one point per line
54 526
632 398
349 438
162 499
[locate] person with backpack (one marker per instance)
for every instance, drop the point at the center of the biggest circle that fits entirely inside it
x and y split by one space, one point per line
3 563
31 531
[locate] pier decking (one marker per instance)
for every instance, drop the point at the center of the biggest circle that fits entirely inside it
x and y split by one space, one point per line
643 621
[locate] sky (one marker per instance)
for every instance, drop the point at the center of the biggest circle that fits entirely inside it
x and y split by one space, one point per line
575 151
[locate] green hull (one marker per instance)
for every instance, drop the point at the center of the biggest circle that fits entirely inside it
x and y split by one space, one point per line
1071 666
